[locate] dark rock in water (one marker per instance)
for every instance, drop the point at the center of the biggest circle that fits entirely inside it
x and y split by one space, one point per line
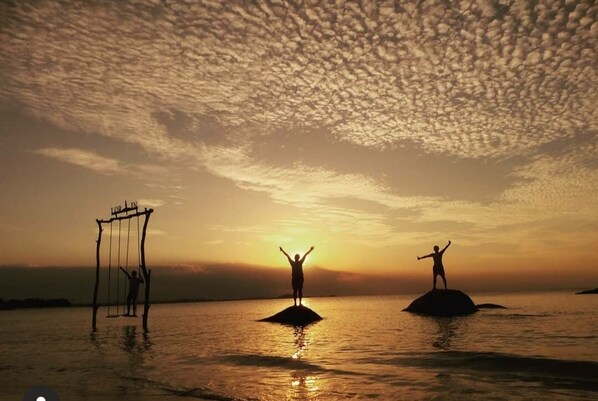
294 315
490 306
443 303
594 291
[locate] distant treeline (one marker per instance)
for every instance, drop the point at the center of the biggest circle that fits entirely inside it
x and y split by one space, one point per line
34 303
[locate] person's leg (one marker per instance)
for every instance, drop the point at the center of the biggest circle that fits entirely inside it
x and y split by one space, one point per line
129 304
134 304
294 292
435 275
444 279
300 291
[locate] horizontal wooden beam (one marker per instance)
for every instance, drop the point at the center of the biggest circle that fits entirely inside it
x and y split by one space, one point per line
128 216
124 210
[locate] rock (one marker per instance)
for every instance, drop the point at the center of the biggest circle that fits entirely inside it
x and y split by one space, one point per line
443 303
594 291
490 306
294 315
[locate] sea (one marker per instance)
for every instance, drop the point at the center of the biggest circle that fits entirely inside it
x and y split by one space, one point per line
543 347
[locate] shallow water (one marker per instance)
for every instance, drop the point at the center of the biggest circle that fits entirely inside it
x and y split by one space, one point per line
544 347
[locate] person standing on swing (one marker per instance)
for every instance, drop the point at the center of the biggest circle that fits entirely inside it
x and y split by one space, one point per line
297 274
134 282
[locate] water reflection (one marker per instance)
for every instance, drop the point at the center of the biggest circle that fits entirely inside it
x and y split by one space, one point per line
304 383
447 328
130 342
93 338
299 334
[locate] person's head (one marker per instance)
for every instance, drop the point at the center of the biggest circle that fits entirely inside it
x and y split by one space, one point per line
297 257
134 273
436 248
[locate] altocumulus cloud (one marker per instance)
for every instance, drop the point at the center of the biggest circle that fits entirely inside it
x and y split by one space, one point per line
467 79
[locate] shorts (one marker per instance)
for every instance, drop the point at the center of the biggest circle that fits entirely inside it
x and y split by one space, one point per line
438 270
132 298
297 282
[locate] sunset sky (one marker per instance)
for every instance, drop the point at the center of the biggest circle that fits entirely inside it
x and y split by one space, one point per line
372 130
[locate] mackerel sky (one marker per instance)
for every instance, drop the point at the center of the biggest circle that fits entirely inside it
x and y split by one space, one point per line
372 130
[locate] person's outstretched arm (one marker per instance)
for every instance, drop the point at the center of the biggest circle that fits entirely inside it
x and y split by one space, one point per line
285 254
307 253
423 257
447 245
124 271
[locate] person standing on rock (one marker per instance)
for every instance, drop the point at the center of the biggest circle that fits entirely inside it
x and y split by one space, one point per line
438 269
297 274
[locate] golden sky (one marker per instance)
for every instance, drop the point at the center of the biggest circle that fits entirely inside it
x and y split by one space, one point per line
372 130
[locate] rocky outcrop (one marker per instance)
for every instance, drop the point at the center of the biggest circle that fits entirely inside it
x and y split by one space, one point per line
490 306
443 303
294 315
594 291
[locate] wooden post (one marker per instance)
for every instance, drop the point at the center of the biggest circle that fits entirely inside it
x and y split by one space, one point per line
95 289
147 275
146 304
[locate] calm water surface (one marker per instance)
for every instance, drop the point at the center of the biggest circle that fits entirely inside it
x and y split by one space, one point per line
544 347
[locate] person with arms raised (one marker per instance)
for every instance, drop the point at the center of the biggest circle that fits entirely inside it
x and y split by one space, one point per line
297 274
438 269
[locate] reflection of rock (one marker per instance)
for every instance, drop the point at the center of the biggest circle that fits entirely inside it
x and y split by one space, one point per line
594 291
490 306
446 331
443 303
295 315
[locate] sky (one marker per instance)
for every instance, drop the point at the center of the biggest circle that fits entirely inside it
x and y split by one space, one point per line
371 130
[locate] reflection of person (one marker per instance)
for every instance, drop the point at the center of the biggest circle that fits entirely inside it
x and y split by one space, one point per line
438 269
134 282
297 274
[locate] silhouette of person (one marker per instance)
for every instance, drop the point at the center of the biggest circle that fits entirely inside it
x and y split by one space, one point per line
134 282
297 274
438 269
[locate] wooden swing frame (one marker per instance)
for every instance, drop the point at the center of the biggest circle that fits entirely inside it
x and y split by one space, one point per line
118 214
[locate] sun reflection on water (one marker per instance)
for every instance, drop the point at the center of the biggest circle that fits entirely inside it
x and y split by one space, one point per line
304 384
300 342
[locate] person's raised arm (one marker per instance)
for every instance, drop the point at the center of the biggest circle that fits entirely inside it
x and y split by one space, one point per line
447 245
423 257
124 271
285 254
307 253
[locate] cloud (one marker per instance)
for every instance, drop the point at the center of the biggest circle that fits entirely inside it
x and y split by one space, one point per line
153 231
86 159
151 202
477 80
104 165
196 84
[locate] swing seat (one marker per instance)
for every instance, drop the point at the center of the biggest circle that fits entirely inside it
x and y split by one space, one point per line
125 315
112 316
